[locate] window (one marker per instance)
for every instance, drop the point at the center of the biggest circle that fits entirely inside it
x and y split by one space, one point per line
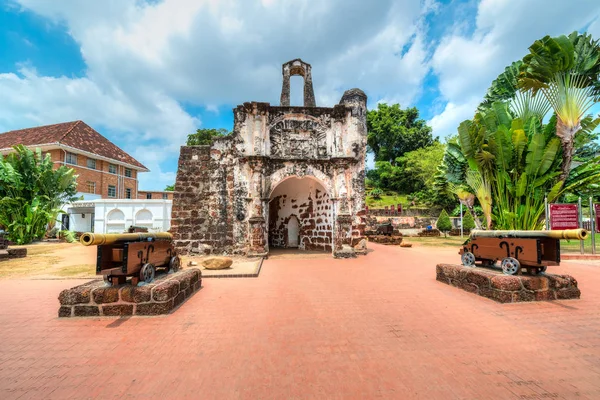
72 158
127 193
112 168
149 196
91 163
112 191
165 196
128 172
91 187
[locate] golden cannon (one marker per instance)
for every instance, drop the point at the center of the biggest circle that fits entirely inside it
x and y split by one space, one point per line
137 255
517 250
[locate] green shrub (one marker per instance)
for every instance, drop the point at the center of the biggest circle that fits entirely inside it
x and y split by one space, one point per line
468 221
376 193
443 223
69 236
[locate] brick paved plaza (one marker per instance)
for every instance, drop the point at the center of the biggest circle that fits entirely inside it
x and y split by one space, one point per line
378 326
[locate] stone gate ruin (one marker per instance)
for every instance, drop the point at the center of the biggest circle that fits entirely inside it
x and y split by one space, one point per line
286 177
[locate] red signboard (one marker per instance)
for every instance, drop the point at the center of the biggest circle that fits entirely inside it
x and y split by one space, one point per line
564 216
597 213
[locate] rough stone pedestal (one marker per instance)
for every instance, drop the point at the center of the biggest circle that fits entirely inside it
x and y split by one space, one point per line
162 296
493 284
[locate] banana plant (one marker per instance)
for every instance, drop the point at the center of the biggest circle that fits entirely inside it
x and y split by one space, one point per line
32 193
566 71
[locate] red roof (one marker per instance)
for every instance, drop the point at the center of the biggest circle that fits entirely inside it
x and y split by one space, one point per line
75 134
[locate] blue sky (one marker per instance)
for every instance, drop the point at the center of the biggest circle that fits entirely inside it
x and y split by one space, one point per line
147 73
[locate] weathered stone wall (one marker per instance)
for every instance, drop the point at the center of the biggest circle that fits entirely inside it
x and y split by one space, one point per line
222 192
306 200
206 201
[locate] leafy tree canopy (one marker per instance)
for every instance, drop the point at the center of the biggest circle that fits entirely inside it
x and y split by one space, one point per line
392 132
32 192
170 188
205 136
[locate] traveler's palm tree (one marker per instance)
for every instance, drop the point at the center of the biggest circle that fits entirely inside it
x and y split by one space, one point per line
566 70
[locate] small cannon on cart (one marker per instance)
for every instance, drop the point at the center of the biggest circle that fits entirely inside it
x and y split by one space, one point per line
132 254
386 229
517 250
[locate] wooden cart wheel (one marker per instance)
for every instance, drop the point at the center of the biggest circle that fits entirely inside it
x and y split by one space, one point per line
539 271
510 266
468 259
175 264
147 273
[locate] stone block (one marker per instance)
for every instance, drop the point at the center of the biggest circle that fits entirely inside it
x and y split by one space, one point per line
17 253
77 295
86 311
117 310
505 282
478 278
469 287
154 308
166 290
65 311
568 293
178 299
534 283
136 294
105 295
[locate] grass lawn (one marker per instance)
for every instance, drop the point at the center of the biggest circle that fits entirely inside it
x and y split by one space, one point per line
52 260
387 200
566 246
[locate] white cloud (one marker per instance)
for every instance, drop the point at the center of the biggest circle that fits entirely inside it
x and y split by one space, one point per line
145 59
467 64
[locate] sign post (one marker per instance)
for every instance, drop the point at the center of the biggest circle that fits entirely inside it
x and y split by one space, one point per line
593 223
580 223
547 213
461 221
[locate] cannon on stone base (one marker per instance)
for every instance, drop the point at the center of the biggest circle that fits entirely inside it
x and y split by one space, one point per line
135 255
517 250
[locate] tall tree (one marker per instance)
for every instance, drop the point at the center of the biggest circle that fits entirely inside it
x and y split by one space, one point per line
566 70
205 136
31 193
394 132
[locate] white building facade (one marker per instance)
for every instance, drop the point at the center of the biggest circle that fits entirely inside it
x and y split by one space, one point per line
116 216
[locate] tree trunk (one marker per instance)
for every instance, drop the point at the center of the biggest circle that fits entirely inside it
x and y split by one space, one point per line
567 138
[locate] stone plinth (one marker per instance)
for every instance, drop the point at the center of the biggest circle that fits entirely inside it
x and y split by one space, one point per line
13 253
383 239
494 285
162 296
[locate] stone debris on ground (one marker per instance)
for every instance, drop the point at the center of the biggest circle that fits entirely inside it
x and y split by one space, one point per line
217 263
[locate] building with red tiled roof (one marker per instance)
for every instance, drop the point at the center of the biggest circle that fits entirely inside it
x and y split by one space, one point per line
105 171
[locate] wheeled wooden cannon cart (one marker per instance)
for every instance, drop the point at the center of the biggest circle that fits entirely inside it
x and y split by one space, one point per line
517 250
135 255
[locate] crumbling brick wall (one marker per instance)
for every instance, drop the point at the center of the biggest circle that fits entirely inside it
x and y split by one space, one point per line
203 206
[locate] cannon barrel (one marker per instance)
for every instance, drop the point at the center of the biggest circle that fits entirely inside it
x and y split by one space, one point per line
569 234
95 239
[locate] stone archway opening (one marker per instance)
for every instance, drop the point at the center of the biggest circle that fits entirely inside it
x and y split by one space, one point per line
300 215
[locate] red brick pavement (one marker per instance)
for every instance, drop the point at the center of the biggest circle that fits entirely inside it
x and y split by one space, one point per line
379 326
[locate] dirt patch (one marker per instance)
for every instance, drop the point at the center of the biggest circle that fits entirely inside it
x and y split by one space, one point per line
51 260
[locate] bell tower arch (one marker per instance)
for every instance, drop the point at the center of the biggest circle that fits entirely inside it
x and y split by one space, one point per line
297 67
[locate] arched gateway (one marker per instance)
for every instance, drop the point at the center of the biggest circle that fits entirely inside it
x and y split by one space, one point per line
283 169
